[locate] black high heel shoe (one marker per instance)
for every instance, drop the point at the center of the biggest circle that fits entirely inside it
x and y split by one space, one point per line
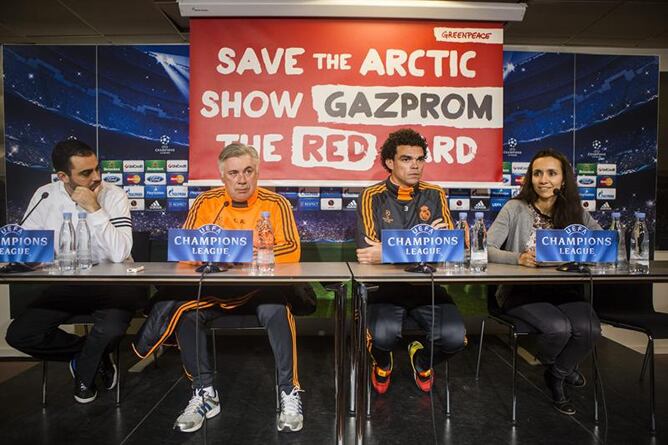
560 399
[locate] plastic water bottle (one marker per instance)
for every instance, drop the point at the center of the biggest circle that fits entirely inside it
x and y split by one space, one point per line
639 258
617 226
479 244
84 256
66 244
462 224
265 245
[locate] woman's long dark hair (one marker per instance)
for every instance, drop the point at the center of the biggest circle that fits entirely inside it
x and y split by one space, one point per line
567 209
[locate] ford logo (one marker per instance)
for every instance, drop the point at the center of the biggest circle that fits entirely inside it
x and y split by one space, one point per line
154 178
112 179
586 181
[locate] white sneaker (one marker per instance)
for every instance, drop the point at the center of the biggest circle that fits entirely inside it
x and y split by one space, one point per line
291 418
200 406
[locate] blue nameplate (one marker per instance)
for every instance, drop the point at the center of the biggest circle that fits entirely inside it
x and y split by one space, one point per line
210 243
422 243
576 243
25 246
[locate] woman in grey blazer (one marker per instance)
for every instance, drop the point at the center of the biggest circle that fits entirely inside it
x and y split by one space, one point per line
568 327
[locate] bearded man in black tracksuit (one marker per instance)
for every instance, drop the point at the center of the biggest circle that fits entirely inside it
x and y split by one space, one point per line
401 202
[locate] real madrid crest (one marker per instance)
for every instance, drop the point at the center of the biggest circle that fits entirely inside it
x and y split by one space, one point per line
387 217
425 213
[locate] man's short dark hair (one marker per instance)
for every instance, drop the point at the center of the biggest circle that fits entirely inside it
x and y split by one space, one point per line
64 150
405 136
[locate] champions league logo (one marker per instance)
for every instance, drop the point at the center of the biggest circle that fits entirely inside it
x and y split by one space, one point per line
510 148
210 228
164 145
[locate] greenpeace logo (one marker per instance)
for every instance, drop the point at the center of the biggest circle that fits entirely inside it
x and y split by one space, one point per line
463 35
475 35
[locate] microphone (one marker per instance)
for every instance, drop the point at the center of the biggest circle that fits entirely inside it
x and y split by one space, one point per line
42 198
420 267
210 267
23 267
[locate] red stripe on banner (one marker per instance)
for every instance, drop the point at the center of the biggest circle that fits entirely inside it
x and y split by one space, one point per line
317 97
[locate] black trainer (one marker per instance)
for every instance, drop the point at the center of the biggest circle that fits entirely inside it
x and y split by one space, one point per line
82 393
576 379
108 372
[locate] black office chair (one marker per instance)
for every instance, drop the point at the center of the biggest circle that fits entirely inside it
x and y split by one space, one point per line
516 329
630 306
140 253
85 320
236 322
409 326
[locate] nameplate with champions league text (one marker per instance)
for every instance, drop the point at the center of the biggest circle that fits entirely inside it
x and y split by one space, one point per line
576 243
210 243
422 243
18 245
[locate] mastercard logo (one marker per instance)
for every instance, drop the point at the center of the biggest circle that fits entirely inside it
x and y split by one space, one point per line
133 179
177 179
606 181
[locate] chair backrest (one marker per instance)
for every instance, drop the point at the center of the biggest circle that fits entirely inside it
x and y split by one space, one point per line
493 307
141 246
627 298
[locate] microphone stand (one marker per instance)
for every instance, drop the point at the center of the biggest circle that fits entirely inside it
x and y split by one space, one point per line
421 267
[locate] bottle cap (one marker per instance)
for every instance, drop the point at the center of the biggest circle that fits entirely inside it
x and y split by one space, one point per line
462 215
265 214
67 215
83 215
479 215
616 214
640 215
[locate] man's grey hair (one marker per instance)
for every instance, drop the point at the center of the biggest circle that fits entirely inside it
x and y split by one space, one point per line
236 150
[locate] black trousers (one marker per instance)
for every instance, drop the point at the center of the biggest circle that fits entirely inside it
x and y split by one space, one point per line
36 331
391 304
274 315
567 324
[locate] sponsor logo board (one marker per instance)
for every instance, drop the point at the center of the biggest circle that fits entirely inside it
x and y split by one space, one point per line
177 165
606 194
133 166
112 166
176 178
155 191
177 205
589 204
587 192
586 181
133 178
331 203
155 179
459 203
136 205
586 169
177 191
606 169
112 178
134 191
155 165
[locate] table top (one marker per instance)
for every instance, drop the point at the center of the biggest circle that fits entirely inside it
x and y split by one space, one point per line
502 273
179 273
331 272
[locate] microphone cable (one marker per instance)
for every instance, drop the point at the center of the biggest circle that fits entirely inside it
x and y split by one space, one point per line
431 356
599 378
205 271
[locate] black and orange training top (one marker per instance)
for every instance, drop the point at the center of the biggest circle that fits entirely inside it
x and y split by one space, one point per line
216 207
388 206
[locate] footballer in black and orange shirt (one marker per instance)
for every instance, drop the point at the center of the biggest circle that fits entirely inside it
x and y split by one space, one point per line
401 202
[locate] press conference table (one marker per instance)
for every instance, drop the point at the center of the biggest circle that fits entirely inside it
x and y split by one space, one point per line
335 273
183 274
367 274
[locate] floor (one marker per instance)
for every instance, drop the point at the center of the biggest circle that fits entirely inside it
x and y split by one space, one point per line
480 410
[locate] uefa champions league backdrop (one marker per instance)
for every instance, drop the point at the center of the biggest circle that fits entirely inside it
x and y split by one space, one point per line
131 103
